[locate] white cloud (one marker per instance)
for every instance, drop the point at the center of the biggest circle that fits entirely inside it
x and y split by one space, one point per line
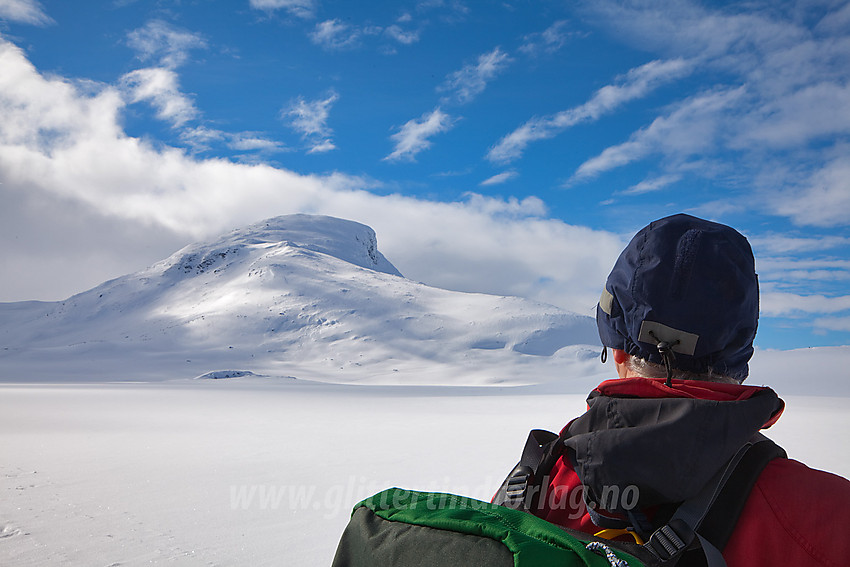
651 185
807 273
776 304
616 156
406 37
248 142
337 35
512 207
301 8
164 43
168 47
160 87
837 21
635 84
550 40
470 81
201 138
832 323
687 27
333 34
822 200
24 11
44 114
692 127
500 178
321 147
793 277
774 243
310 118
414 136
63 152
798 118
784 134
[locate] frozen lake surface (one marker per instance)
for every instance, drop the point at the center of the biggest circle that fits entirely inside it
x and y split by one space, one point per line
265 472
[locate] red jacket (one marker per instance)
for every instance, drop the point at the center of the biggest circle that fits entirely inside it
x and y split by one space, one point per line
794 515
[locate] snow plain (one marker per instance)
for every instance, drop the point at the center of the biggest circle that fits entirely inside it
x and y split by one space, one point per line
113 453
252 472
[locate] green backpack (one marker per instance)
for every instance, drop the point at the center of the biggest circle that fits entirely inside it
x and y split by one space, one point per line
403 528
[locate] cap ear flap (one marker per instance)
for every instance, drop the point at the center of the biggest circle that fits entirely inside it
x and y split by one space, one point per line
606 302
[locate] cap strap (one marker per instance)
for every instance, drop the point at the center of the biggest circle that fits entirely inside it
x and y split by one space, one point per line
680 341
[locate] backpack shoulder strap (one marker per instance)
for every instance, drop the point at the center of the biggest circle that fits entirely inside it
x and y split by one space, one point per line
721 500
710 517
719 523
541 450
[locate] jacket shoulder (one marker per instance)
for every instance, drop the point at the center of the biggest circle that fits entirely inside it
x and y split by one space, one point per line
795 515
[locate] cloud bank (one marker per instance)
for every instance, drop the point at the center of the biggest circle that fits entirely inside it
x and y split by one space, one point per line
62 149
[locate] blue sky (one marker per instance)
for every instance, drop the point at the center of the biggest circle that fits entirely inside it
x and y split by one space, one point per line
508 147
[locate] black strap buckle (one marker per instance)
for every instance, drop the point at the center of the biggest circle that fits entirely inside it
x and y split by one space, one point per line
669 541
517 486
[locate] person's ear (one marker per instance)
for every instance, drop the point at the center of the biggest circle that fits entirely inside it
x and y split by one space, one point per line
620 356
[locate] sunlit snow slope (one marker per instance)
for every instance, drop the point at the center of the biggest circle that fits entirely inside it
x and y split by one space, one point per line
294 296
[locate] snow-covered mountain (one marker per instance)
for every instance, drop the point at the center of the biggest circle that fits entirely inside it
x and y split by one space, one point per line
302 296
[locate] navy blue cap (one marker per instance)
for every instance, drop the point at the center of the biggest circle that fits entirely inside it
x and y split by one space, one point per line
690 283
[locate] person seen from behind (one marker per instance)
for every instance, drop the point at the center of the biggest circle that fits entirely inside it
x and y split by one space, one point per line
678 315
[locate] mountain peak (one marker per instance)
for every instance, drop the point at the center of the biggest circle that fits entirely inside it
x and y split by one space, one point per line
297 295
346 240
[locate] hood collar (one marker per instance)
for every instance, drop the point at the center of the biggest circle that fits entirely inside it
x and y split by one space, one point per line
691 389
666 442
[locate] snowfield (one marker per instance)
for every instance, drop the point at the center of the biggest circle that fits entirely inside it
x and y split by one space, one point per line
229 405
258 472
